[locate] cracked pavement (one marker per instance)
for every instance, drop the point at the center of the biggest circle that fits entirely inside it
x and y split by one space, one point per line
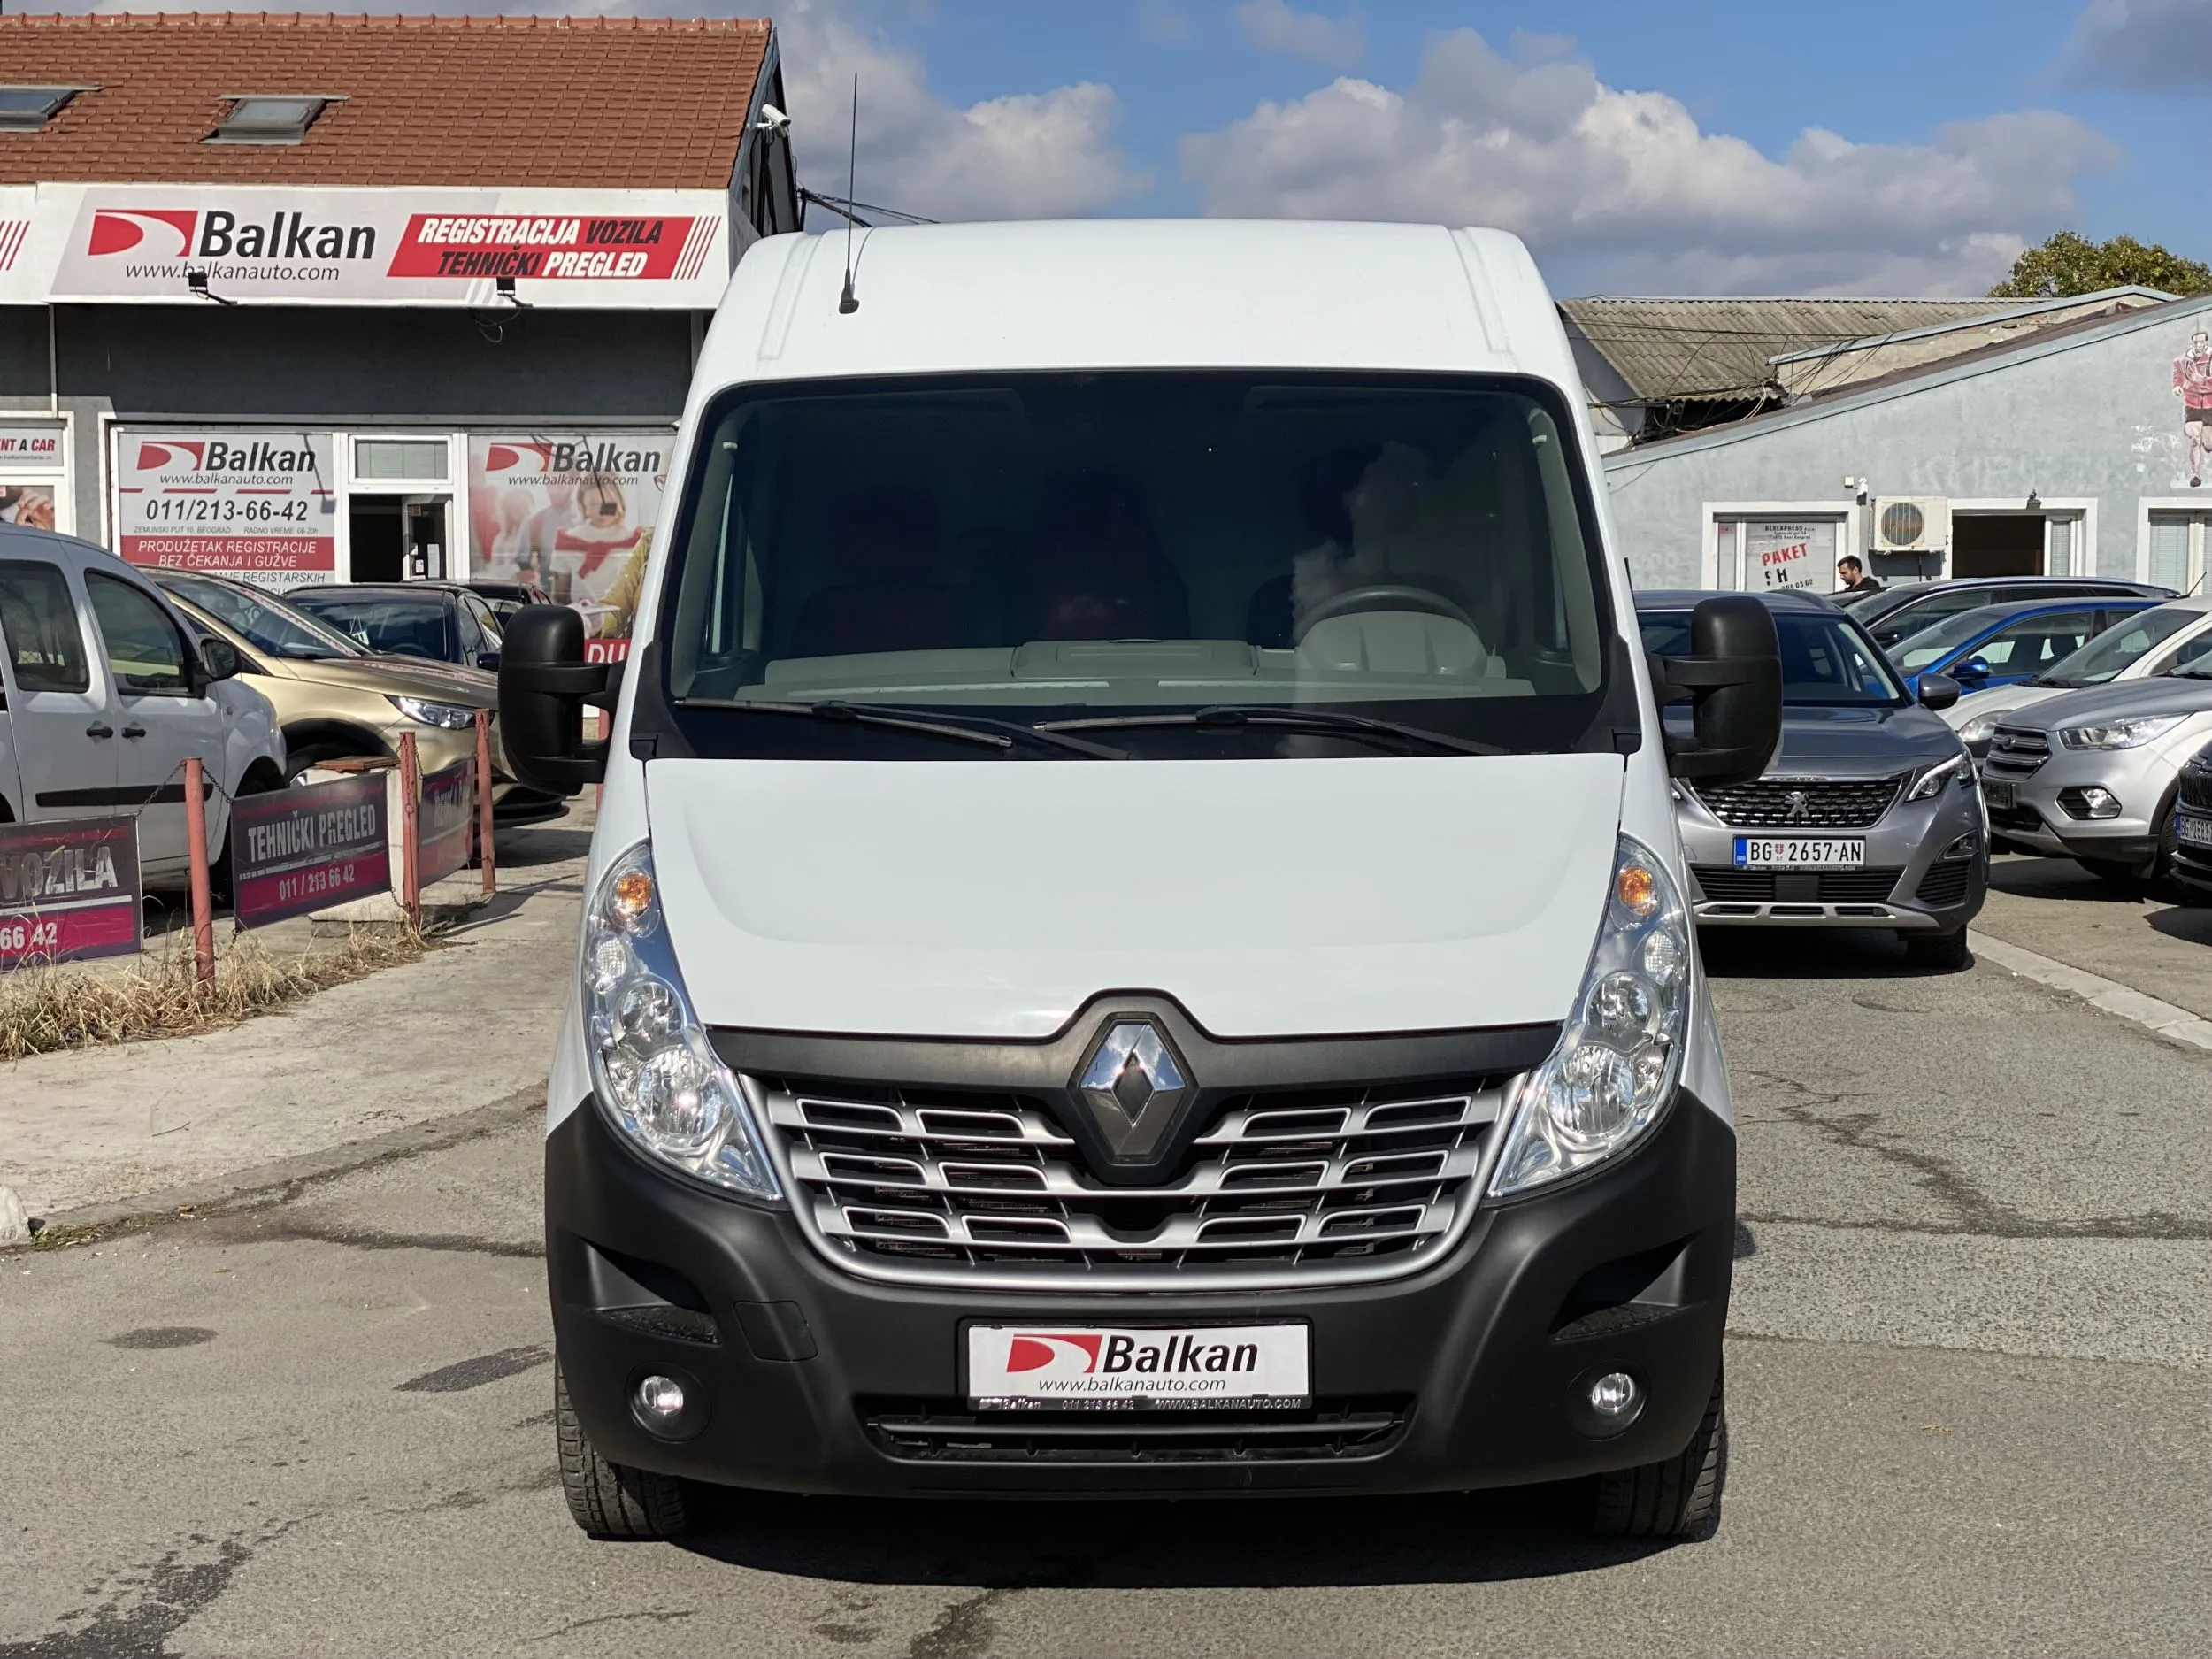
1971 1396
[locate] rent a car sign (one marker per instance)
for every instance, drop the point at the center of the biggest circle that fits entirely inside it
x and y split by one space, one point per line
632 249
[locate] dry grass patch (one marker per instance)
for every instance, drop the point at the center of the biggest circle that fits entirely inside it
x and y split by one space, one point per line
44 1010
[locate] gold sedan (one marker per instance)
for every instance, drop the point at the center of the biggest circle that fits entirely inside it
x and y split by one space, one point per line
335 698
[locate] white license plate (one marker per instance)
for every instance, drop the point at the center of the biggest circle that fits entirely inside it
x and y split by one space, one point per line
1090 1367
1998 795
2196 830
1787 852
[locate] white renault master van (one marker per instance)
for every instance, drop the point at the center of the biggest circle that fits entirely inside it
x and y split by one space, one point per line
1135 940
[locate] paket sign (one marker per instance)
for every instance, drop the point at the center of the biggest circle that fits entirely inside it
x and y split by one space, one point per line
68 890
254 505
297 851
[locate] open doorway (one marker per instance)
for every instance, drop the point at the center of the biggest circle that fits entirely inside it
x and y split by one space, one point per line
398 538
1997 544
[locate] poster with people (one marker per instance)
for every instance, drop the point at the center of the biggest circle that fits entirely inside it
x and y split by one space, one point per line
572 513
31 505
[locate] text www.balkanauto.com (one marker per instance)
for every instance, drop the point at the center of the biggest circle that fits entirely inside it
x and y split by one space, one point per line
235 273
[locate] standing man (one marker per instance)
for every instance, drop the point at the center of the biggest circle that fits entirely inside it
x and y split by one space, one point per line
1852 574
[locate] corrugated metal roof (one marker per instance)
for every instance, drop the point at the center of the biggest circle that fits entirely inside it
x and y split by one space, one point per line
1694 350
603 103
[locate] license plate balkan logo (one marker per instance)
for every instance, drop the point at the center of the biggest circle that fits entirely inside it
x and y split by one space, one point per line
1091 1366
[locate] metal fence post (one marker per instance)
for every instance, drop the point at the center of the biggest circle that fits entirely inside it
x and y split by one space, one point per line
484 799
202 902
410 830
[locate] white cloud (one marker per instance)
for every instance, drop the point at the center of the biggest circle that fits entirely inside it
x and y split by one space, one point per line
1030 154
2143 45
1274 26
1024 155
1625 189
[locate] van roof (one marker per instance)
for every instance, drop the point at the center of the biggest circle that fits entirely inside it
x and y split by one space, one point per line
1114 294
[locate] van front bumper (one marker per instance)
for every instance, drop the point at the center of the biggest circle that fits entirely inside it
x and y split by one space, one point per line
1468 1373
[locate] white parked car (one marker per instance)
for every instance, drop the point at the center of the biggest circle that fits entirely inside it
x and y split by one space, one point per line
107 697
2174 635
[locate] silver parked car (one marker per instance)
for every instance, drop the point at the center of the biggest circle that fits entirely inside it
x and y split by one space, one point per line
2092 775
1869 817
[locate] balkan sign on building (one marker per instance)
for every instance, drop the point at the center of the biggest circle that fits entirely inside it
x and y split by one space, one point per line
618 250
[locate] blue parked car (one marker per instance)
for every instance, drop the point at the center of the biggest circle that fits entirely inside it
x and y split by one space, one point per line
2001 645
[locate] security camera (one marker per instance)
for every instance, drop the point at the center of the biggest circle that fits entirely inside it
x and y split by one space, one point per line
772 120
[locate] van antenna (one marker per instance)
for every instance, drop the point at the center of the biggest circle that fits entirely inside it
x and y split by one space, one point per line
847 303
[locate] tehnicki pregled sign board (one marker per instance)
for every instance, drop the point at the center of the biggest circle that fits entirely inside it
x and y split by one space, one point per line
297 851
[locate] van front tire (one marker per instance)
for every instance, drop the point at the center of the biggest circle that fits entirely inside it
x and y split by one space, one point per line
611 1499
1679 1497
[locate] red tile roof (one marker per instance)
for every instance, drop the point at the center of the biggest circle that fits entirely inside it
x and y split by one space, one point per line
562 103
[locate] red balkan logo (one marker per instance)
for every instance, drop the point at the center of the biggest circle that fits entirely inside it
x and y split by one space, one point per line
121 230
554 246
1036 1350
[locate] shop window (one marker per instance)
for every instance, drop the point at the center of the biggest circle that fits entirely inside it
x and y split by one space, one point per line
1755 552
2173 552
399 457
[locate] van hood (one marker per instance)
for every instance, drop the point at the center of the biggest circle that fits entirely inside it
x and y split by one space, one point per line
1270 898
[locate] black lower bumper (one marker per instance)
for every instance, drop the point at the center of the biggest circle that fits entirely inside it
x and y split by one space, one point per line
1467 1374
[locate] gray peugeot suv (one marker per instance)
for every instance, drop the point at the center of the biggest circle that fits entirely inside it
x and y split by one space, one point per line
1868 816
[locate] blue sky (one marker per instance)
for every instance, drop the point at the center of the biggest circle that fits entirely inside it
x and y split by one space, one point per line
1962 128
1744 146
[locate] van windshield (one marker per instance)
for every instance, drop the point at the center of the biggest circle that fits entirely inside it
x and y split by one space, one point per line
1115 552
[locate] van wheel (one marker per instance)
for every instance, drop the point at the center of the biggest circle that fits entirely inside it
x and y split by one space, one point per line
1680 1498
611 1500
1946 953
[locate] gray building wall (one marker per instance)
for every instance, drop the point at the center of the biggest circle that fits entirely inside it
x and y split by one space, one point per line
344 368
2090 416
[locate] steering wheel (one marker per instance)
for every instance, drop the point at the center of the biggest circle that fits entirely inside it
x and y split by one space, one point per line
1385 597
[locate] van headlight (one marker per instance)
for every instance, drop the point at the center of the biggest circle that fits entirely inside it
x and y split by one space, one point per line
1620 1055
651 1064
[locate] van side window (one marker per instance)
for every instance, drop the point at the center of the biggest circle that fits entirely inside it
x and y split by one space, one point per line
39 620
146 653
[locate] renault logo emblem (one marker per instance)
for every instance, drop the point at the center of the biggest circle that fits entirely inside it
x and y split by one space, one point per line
1134 1086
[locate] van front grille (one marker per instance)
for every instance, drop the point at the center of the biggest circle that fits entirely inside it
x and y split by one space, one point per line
938 1186
943 1431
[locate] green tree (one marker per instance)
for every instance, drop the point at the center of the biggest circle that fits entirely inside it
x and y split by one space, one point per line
2071 264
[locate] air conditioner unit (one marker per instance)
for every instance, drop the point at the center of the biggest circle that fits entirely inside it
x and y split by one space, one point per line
1910 523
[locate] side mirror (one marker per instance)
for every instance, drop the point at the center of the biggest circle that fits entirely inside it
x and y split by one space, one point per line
1971 671
487 659
1938 691
1732 679
543 685
219 658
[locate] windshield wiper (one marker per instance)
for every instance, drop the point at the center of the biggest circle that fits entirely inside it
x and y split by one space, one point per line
977 729
1235 716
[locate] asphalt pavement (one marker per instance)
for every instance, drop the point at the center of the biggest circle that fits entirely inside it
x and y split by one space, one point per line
1969 1386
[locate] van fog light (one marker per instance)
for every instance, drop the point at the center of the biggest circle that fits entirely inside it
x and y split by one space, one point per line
1615 1395
660 1400
1619 1054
